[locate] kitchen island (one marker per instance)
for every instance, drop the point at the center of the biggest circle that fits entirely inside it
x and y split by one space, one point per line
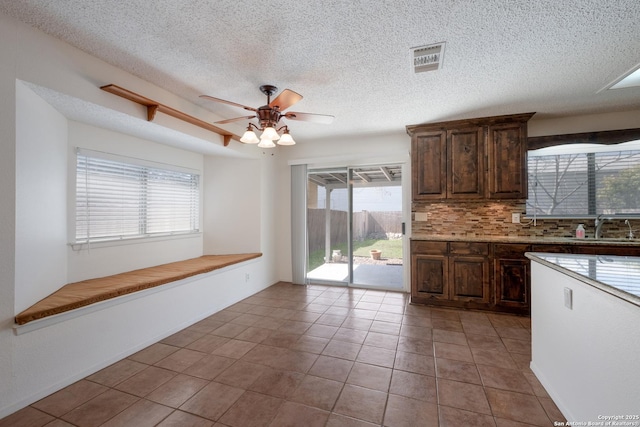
585 318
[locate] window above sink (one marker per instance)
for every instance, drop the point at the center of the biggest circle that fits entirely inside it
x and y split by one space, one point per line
584 175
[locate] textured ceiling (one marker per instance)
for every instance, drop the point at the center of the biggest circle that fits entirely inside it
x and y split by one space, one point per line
351 58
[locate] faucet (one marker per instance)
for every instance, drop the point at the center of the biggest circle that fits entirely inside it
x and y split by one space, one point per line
630 236
600 219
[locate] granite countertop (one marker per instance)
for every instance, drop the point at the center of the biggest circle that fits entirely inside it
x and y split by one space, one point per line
528 239
616 275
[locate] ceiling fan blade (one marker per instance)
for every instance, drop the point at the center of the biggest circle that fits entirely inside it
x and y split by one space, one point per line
309 117
221 122
285 100
235 104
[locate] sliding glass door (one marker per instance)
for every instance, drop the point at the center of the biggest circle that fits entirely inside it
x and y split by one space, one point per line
327 226
376 227
355 226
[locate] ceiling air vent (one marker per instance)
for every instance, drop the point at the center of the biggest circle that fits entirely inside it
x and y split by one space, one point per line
428 58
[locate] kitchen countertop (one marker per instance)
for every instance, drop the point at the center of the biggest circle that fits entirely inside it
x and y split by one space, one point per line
616 275
528 239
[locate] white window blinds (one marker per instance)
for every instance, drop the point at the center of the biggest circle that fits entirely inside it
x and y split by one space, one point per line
123 198
584 180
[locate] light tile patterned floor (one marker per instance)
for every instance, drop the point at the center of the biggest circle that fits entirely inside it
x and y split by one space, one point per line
317 356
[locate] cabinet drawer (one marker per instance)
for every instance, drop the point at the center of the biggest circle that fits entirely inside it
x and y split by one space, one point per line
428 248
468 248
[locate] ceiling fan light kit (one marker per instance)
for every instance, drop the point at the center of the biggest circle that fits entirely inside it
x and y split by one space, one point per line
269 115
249 136
266 143
270 134
286 138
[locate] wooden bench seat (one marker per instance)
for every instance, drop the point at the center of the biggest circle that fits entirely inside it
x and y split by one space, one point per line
86 292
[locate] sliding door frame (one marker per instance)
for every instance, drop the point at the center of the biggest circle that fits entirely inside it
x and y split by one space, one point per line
405 184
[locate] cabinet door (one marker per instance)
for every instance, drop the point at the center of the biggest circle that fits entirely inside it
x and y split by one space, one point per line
512 279
507 161
429 154
429 278
469 278
465 167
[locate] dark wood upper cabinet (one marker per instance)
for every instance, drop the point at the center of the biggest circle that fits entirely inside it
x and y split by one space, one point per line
429 163
470 159
465 163
507 145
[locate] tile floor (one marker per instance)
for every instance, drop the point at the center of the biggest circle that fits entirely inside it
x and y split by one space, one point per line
316 356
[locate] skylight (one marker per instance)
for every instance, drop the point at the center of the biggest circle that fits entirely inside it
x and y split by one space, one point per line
631 80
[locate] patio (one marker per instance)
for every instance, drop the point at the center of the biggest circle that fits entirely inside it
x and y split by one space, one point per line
386 273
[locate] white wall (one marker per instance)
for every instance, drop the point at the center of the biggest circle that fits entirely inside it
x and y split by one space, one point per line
233 188
272 202
41 199
587 358
34 364
8 51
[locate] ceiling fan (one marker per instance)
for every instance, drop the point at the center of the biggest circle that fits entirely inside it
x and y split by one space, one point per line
269 115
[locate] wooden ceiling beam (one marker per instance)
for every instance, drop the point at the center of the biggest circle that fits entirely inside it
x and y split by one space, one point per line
153 107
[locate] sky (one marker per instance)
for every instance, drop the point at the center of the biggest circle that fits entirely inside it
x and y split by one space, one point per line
372 199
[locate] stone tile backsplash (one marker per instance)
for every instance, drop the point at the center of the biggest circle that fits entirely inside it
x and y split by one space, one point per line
493 218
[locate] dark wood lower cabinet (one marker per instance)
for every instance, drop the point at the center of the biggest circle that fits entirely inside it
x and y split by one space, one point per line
452 274
511 277
469 279
485 275
474 275
432 280
469 272
512 280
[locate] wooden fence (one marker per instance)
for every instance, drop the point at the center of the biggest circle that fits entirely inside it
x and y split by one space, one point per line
366 225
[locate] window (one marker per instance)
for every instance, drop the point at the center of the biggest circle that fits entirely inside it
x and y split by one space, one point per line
122 198
584 180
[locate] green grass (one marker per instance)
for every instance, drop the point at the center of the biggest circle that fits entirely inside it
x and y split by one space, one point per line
389 248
